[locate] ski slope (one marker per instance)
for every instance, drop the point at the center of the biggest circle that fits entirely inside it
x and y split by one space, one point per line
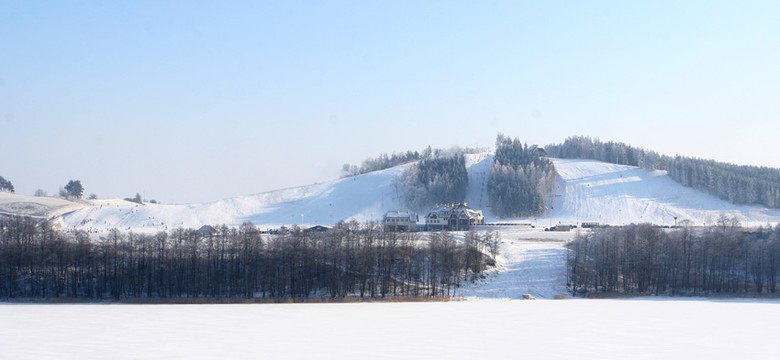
530 261
362 198
594 191
585 191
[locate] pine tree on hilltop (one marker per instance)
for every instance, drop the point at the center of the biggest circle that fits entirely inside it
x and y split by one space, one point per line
6 185
74 189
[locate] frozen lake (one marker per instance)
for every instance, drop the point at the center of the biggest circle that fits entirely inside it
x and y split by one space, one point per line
542 329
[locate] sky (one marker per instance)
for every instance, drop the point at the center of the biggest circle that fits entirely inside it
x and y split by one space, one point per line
187 101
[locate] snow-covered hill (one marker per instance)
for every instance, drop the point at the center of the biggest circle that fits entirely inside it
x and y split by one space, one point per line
362 198
530 260
40 207
586 190
593 191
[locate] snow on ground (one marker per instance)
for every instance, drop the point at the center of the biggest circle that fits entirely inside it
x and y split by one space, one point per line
530 261
564 329
586 190
479 166
35 206
362 198
606 193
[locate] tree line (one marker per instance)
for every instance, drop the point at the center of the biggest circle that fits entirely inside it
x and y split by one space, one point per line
381 162
73 189
519 179
385 161
583 147
644 259
351 260
437 179
739 184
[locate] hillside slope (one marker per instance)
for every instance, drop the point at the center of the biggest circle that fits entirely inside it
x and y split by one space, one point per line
362 198
586 190
595 191
40 207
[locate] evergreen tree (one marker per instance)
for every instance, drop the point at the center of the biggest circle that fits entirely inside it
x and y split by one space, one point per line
519 179
74 189
436 180
5 185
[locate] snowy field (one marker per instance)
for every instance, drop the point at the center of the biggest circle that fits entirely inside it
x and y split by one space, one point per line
501 329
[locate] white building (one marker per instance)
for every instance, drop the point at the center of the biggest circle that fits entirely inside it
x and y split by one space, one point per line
453 217
438 218
400 221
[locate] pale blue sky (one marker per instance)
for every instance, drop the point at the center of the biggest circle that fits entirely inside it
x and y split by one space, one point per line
196 101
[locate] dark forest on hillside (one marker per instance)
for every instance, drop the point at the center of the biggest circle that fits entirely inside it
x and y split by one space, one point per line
519 180
385 161
435 180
